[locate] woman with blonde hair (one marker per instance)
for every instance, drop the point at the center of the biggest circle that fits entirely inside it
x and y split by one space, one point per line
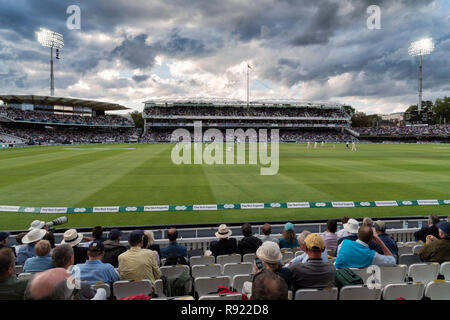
151 244
289 238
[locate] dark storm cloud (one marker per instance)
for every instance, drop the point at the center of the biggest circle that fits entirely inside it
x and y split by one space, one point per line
140 78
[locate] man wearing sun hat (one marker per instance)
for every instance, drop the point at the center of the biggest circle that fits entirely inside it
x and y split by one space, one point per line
29 241
224 245
37 224
73 238
352 227
437 250
314 273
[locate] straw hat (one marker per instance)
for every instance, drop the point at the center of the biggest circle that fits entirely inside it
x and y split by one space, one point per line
72 237
223 232
34 235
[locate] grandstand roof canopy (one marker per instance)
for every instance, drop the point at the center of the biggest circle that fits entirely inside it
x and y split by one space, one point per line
61 101
221 102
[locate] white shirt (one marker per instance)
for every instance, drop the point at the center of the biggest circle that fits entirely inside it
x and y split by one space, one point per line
342 233
378 259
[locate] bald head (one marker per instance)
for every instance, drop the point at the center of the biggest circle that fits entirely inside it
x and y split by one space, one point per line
49 285
365 234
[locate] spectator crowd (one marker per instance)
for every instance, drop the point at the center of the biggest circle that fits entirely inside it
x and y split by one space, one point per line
96 259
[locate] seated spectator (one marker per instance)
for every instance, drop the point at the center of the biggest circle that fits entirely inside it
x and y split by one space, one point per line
42 261
367 222
146 245
380 229
11 288
225 245
330 238
113 248
343 232
151 242
437 250
37 224
266 231
314 273
30 240
249 243
19 244
97 234
137 262
63 257
4 241
288 239
352 228
431 229
94 270
357 254
51 238
73 238
270 255
52 284
304 256
173 246
268 285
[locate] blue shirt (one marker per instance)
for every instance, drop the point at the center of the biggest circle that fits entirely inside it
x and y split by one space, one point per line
389 242
24 252
38 264
303 258
173 247
94 271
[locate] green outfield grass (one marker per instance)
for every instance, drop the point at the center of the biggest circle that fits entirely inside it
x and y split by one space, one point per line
141 174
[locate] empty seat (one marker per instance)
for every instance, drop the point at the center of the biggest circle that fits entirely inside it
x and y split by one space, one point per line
317 294
18 269
170 271
362 272
104 286
238 281
230 296
404 250
424 272
201 260
394 274
445 270
128 288
159 288
231 258
232 269
409 259
287 256
249 257
407 291
204 285
417 248
211 270
359 292
438 290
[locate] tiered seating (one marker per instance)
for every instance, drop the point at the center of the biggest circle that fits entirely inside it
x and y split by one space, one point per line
359 292
316 294
438 290
127 288
423 272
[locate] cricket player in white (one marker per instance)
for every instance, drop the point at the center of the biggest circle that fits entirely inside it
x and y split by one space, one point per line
353 146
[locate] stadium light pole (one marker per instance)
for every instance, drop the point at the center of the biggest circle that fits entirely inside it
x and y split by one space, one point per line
51 40
421 48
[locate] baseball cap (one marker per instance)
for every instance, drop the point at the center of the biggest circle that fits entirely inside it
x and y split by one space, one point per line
114 234
135 236
314 241
4 235
96 245
445 227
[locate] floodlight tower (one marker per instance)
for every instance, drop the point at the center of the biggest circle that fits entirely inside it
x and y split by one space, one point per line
51 40
421 48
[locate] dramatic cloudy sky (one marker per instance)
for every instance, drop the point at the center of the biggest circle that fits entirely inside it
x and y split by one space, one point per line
128 51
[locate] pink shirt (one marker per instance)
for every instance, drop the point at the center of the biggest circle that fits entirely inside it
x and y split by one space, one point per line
331 240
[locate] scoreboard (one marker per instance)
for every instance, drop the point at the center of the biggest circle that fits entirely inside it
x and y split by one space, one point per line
425 116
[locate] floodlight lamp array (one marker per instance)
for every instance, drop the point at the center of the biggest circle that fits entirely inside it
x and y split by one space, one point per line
421 47
50 39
